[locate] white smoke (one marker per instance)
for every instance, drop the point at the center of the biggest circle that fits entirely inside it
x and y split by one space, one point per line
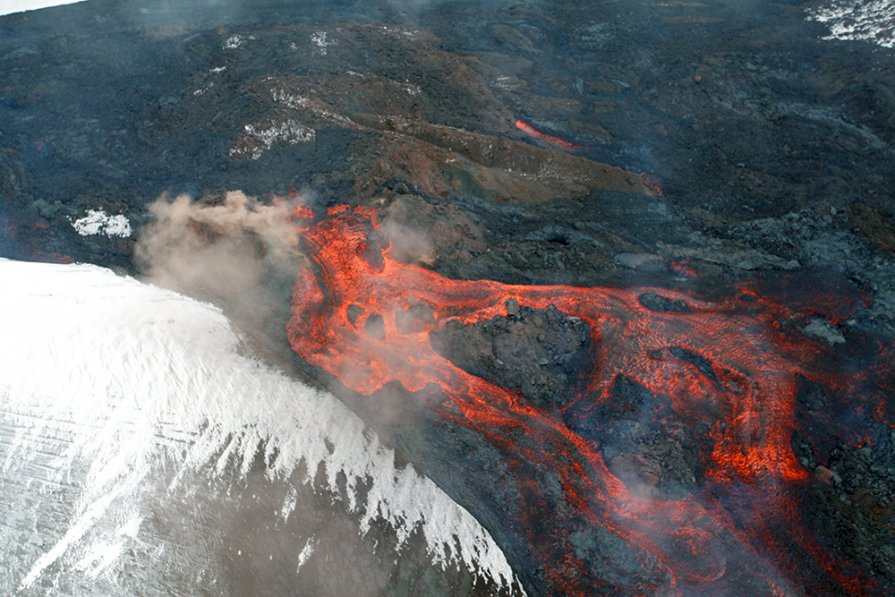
215 250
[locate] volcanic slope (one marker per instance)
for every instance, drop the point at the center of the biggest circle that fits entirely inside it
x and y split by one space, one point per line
141 450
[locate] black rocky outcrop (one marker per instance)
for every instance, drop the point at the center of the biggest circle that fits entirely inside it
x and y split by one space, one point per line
538 352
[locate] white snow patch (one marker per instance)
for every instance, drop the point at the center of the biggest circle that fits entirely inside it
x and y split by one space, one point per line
398 31
260 138
233 42
98 221
305 554
507 83
872 20
122 374
11 6
412 89
319 39
290 100
296 101
289 503
100 556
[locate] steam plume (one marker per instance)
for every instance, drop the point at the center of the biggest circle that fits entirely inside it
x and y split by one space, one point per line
226 251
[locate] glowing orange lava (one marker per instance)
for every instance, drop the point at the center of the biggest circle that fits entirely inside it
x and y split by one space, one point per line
550 139
728 366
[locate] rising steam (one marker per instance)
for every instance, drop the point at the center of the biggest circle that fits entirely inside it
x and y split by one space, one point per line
224 250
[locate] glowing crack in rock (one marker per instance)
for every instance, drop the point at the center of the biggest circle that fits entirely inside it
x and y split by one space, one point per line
104 380
549 139
98 222
872 21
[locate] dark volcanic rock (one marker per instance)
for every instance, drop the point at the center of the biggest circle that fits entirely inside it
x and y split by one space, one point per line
657 302
643 443
702 364
875 227
852 491
853 502
537 352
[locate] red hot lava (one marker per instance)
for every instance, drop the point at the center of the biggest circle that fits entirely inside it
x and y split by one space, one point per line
728 366
550 139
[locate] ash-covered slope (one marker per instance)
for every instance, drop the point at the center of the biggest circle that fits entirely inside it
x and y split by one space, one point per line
142 450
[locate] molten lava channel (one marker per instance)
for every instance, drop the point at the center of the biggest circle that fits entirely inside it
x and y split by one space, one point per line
727 367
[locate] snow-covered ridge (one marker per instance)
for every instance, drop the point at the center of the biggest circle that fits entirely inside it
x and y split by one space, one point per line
118 372
872 20
11 6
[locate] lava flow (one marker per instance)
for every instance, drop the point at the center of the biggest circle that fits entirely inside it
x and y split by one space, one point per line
550 139
726 373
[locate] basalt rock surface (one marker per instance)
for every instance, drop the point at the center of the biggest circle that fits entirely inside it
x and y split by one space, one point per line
540 353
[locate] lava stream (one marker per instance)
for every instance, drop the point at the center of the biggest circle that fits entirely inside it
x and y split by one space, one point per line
727 367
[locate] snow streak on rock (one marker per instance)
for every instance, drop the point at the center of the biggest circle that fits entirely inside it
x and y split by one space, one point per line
872 21
261 138
102 377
